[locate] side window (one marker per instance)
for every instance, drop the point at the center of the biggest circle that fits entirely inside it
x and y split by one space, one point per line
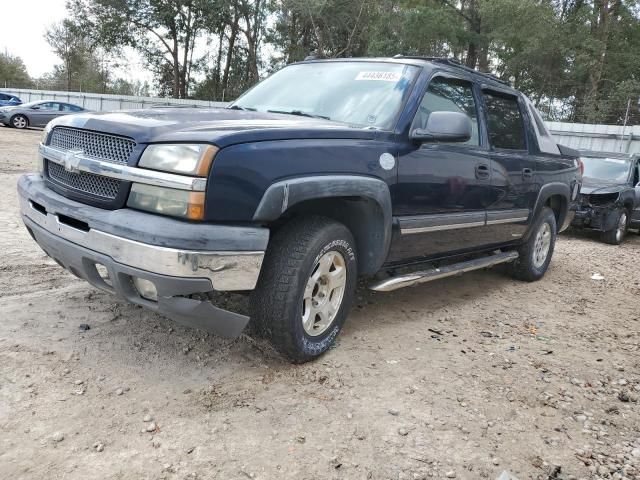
65 107
504 121
49 106
75 108
636 174
4 97
448 95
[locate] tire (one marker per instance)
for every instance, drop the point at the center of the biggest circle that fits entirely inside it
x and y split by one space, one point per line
537 251
616 235
19 121
295 284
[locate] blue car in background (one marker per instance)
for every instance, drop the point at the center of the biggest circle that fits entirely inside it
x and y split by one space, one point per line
7 100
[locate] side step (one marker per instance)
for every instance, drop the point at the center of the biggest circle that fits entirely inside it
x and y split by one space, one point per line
415 278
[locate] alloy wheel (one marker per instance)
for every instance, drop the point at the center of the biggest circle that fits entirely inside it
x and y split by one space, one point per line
622 226
323 293
20 122
542 245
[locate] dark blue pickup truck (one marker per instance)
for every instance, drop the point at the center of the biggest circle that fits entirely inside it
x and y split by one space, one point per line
399 170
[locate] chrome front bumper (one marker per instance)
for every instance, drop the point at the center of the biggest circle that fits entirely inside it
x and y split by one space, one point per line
132 245
227 269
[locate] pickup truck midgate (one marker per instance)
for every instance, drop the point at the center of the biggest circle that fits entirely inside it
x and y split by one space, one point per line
399 170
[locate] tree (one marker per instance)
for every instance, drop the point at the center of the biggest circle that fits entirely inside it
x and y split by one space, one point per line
328 28
13 73
163 31
70 46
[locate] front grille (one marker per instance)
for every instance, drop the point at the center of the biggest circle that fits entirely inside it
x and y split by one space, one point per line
97 185
95 145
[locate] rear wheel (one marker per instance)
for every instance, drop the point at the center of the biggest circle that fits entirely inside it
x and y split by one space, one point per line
306 287
536 252
616 235
19 121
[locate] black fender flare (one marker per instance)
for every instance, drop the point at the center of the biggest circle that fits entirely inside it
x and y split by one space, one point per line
283 195
547 191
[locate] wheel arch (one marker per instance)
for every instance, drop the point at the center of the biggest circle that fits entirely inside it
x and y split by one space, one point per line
555 196
362 204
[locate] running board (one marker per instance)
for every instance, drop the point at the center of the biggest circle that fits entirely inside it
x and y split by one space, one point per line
411 279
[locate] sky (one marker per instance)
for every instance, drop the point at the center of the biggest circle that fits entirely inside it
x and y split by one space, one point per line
22 29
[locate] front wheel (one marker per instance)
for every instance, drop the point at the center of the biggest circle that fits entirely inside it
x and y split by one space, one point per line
616 235
536 252
306 287
19 121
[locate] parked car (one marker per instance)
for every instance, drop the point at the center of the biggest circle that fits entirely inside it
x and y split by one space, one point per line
36 114
400 170
609 199
7 100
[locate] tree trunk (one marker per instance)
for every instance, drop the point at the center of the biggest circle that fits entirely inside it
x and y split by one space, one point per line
232 42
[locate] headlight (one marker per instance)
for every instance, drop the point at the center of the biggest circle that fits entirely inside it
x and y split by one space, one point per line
179 158
167 201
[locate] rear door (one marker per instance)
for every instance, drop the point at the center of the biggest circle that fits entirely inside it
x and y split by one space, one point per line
513 170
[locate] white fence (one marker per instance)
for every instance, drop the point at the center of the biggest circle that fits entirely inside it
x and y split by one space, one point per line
602 138
99 102
605 138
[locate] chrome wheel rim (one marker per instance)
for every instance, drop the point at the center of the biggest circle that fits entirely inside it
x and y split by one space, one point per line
323 293
622 225
542 245
19 122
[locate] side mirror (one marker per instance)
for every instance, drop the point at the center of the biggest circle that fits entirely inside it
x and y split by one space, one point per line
35 107
444 127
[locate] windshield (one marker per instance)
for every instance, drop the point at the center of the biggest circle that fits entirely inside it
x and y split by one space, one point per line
615 170
367 94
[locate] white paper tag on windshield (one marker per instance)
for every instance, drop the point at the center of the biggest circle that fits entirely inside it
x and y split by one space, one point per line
380 76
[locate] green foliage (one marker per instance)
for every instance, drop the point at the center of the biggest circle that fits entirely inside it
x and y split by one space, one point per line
13 72
576 59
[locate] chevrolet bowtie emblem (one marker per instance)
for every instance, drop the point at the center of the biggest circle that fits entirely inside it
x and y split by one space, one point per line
71 160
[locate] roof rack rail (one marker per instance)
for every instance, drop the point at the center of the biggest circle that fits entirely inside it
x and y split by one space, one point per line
454 63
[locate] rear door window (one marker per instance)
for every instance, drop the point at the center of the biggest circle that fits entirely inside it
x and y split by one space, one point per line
504 121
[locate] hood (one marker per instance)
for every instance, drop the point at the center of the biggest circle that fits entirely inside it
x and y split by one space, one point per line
220 126
598 186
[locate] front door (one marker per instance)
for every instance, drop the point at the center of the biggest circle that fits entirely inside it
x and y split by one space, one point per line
44 113
513 185
442 190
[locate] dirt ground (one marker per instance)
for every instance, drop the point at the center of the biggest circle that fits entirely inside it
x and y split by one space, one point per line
463 378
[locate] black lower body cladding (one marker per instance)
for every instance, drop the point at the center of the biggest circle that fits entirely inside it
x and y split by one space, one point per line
179 259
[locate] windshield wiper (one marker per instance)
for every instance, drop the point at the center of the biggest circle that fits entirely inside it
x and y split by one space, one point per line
299 113
238 107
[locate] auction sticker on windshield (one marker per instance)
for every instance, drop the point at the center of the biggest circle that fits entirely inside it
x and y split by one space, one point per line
380 76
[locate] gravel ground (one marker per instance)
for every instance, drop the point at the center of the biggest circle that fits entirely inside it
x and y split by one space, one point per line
463 378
